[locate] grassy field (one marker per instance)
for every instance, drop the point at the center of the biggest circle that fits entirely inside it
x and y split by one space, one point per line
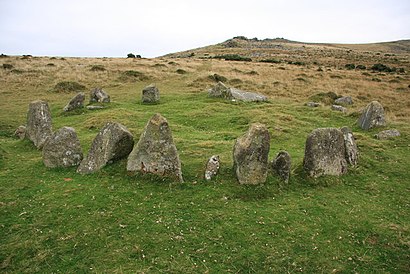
54 220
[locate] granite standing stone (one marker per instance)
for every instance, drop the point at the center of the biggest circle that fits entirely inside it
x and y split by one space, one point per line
351 150
372 116
212 167
39 124
76 102
99 95
282 165
150 94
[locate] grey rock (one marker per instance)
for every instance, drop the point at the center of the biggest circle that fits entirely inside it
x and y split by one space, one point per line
344 100
372 116
39 124
351 150
76 102
250 155
212 167
339 108
387 134
94 107
20 132
312 104
282 165
222 91
155 151
113 142
325 152
99 95
150 94
62 149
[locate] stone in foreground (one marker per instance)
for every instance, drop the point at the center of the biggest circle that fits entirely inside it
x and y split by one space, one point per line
155 151
150 94
282 165
76 102
62 149
250 155
212 167
39 125
325 153
113 142
351 150
344 100
20 132
372 116
99 95
387 134
233 94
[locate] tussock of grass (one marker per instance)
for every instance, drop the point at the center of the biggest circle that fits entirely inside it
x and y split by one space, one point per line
68 86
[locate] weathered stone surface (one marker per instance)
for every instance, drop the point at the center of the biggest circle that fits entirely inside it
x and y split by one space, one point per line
312 104
339 108
76 102
155 151
282 165
325 152
372 116
233 94
351 150
20 132
150 94
212 167
113 142
39 125
387 134
94 107
344 100
99 95
250 155
62 149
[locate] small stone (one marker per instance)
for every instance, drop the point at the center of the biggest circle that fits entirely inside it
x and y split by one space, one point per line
99 95
339 108
76 102
372 116
351 150
387 134
94 107
312 104
282 165
20 132
212 167
39 126
150 94
344 100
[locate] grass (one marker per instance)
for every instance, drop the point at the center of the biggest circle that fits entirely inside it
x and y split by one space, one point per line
54 220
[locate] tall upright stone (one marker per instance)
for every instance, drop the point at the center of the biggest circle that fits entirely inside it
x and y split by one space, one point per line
155 151
372 116
351 150
62 149
150 94
39 125
250 155
76 102
325 152
113 142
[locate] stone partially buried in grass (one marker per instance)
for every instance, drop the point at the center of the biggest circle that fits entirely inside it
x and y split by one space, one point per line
387 134
39 125
99 95
222 91
20 132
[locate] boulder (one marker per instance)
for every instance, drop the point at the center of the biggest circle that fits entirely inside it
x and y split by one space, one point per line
312 104
113 142
20 132
76 102
250 155
39 125
339 108
325 152
351 150
155 151
344 100
212 167
222 91
387 134
372 116
150 94
62 149
282 165
99 95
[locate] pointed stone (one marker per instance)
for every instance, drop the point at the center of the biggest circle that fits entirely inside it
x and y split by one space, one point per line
352 152
39 125
372 116
76 102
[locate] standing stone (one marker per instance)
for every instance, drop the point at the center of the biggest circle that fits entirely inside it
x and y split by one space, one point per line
339 108
99 95
113 142
282 165
155 151
20 132
344 100
387 134
62 149
150 94
372 116
250 155
76 102
212 167
351 151
39 125
325 152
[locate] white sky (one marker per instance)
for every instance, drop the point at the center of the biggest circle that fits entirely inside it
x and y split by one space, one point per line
156 27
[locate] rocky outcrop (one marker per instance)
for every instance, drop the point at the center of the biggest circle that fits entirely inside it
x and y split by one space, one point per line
39 125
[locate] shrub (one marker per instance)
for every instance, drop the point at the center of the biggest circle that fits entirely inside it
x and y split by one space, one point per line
233 57
130 55
68 86
274 61
361 67
350 66
133 75
326 98
381 68
97 68
138 56
7 66
50 65
181 71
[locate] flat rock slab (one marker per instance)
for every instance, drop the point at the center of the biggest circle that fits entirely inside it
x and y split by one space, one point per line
387 134
94 107
339 108
222 91
312 104
372 116
39 126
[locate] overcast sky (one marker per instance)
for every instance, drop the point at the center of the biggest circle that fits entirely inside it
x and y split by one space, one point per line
151 28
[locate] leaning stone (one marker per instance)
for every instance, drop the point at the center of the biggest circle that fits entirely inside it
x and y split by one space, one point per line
339 108
76 102
351 150
372 116
113 142
212 167
344 100
387 134
20 132
250 155
62 149
220 90
233 94
150 94
282 165
312 104
39 125
94 107
155 151
325 152
99 95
